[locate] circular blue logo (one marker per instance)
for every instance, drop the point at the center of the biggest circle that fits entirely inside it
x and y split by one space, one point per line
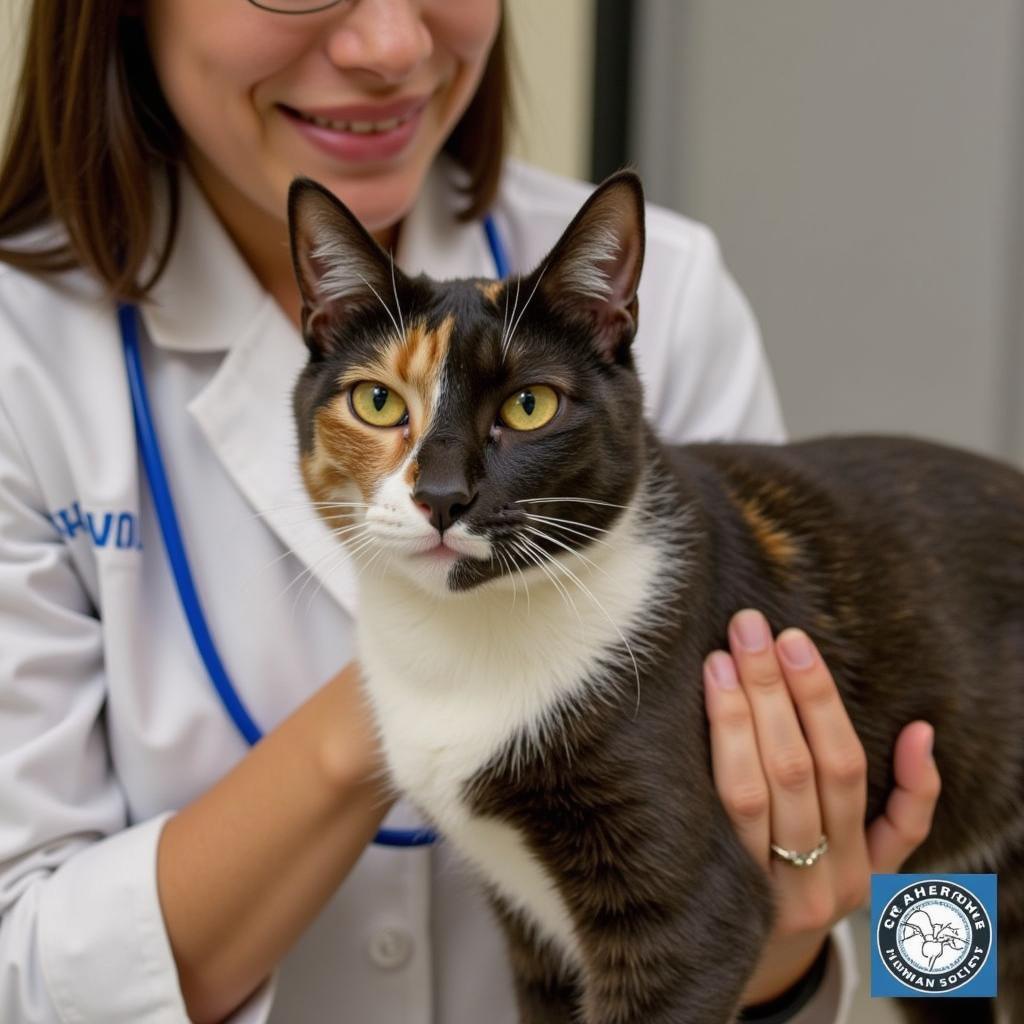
934 936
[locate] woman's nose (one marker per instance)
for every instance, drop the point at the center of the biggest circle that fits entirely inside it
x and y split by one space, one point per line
388 39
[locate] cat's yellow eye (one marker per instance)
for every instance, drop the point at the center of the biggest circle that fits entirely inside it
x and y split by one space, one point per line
529 408
378 405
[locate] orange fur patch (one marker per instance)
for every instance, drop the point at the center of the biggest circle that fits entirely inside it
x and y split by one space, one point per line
347 449
490 290
771 538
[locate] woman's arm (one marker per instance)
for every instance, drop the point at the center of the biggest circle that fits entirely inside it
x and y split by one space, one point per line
243 869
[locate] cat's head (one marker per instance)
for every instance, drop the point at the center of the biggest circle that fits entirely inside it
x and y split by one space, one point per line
462 431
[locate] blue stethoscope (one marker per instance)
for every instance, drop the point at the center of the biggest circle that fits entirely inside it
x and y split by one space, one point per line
149 447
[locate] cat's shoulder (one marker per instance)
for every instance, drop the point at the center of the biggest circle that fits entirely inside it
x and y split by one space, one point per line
537 204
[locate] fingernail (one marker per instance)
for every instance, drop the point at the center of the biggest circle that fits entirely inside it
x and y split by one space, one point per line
796 648
721 668
752 631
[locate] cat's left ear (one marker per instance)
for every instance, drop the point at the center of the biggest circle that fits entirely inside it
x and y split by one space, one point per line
338 265
594 270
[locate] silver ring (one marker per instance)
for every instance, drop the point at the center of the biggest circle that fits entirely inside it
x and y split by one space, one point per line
801 860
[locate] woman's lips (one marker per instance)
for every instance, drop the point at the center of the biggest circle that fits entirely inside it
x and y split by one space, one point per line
360 134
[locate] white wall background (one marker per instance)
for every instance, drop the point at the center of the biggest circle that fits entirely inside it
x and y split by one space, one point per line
553 55
862 164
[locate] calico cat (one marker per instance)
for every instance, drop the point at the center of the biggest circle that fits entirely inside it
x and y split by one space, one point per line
541 580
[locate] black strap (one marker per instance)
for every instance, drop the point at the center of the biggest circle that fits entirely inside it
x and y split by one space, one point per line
787 1005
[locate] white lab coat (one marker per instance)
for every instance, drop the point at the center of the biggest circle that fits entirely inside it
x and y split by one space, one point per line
107 719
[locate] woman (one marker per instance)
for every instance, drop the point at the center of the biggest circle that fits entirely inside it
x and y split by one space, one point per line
153 867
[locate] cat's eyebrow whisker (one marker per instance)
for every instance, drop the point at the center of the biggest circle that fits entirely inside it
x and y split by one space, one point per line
504 322
512 333
515 303
387 308
394 289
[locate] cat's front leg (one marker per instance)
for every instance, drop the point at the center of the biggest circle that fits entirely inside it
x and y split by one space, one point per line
547 991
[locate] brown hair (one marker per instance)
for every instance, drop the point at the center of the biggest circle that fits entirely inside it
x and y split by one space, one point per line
91 127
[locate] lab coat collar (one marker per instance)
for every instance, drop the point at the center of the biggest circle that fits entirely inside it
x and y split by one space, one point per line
208 300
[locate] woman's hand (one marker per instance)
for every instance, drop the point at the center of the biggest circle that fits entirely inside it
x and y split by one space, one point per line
789 767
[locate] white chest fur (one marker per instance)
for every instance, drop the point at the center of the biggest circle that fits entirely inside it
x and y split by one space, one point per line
453 681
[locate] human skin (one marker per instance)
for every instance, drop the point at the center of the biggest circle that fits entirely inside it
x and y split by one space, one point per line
245 148
789 767
240 876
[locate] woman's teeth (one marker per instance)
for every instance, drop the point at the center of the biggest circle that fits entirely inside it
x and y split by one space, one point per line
356 127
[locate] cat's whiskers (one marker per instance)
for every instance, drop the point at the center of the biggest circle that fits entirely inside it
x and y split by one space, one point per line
306 506
556 524
544 562
640 513
573 522
365 569
320 577
589 593
516 567
572 551
307 574
336 532
532 559
340 515
362 544
509 570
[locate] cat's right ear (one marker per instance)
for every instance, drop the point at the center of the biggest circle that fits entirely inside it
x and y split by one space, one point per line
338 265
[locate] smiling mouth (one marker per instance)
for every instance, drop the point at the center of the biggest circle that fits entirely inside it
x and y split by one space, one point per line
355 127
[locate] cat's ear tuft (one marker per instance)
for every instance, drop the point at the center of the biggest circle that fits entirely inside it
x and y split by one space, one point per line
338 264
594 269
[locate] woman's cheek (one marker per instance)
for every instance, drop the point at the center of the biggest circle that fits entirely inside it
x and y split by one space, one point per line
465 28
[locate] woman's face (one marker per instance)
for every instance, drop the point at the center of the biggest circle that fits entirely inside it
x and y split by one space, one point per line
359 97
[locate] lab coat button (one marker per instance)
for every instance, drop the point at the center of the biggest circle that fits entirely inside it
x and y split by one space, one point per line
390 948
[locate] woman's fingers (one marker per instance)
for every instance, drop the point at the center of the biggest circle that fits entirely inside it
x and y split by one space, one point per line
839 759
795 815
735 758
907 819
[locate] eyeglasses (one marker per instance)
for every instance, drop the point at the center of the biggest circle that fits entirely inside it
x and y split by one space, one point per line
294 6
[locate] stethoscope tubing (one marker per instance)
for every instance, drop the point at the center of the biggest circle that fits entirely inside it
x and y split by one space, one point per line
174 544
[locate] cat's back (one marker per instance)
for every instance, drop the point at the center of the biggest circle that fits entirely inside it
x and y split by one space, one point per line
905 490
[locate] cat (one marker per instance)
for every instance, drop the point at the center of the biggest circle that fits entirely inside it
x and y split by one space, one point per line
541 580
